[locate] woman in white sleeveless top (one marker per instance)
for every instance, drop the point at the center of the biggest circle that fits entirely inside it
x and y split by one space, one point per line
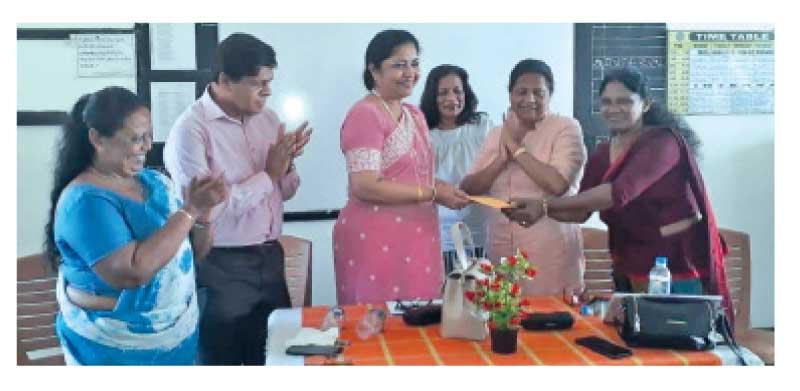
457 133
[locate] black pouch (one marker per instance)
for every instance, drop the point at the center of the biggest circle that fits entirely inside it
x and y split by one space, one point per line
560 320
666 322
423 315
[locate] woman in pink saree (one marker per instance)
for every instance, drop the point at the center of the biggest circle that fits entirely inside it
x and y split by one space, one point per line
386 239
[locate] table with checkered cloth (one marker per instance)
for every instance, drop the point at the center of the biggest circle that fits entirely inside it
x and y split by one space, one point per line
401 344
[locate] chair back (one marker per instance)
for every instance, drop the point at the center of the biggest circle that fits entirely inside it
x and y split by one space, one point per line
737 271
597 274
37 343
298 269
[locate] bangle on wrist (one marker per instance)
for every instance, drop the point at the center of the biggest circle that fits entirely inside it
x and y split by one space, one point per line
185 213
519 151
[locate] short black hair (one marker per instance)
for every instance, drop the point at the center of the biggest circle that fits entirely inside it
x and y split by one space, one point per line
428 103
241 55
381 47
530 65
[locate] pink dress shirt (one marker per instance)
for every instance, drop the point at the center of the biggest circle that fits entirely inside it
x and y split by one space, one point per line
206 141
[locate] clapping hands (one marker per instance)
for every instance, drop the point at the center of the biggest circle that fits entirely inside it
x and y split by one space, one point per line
203 195
286 147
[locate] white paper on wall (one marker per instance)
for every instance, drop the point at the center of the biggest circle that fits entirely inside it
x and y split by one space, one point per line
167 101
105 55
172 46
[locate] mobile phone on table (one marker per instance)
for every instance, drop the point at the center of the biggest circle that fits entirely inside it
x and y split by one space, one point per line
313 350
604 347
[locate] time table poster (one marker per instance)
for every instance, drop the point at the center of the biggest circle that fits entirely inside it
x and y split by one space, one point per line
721 72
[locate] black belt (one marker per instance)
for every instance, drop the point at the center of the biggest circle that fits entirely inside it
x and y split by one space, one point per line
267 243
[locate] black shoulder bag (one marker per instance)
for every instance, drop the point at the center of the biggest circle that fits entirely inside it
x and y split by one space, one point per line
674 323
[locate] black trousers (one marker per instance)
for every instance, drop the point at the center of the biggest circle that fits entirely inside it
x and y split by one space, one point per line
238 287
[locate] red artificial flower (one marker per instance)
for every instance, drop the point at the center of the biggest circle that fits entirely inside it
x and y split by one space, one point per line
495 286
512 260
470 295
515 290
488 306
524 254
483 282
498 306
516 320
486 267
498 277
531 272
480 294
524 302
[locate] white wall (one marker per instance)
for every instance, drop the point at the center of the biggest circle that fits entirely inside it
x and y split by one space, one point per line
738 168
35 157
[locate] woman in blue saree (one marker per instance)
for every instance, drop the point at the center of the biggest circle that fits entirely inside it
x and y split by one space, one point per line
119 235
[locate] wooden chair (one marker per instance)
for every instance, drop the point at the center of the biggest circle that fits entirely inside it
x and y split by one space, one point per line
597 274
298 269
37 343
737 270
598 281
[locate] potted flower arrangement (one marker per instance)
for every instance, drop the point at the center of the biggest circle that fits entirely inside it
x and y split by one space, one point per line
498 295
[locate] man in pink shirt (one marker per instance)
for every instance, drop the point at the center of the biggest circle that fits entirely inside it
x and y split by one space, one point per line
229 131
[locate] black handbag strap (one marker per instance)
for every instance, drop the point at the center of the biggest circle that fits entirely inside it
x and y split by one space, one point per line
724 328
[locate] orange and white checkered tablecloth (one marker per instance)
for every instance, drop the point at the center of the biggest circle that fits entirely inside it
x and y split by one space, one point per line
400 344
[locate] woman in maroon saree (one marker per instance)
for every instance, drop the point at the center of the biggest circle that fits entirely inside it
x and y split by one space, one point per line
647 187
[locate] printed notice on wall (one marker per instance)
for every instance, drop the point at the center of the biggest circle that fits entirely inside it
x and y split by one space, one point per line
105 55
721 72
167 101
172 46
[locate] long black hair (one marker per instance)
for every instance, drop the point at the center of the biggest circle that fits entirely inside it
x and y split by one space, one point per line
657 114
105 111
381 47
428 103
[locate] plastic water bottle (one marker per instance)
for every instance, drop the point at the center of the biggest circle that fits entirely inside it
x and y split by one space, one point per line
659 278
371 324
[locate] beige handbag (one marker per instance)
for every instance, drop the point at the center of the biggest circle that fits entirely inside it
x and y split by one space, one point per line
460 317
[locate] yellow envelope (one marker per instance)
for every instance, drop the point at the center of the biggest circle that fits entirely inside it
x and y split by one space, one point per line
490 202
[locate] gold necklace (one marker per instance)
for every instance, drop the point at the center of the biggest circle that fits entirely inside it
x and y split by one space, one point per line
386 106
